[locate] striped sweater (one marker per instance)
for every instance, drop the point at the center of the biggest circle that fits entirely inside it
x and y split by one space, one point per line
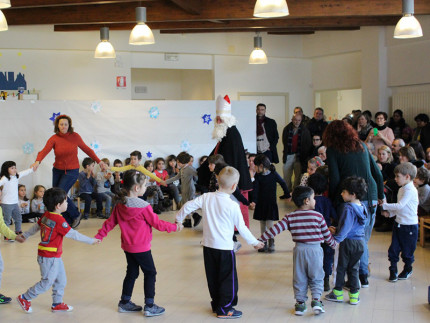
307 226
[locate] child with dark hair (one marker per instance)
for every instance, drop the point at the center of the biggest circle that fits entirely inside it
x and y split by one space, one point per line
87 184
105 180
308 230
171 189
152 189
264 197
116 187
350 236
323 205
421 182
53 228
136 219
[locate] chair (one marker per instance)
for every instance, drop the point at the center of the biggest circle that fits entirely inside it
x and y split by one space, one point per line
424 224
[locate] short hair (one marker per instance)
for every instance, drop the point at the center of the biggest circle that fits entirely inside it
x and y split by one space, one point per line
183 157
228 177
401 142
147 163
381 113
318 182
127 161
366 116
300 194
261 105
418 149
399 112
422 117
136 153
406 169
219 167
216 159
408 152
300 108
355 185
86 162
106 161
423 174
323 170
57 121
319 108
388 151
202 159
117 161
53 197
368 113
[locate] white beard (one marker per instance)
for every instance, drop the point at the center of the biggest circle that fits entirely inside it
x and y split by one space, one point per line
220 129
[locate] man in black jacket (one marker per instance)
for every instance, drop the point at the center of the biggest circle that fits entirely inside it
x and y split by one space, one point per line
267 135
317 124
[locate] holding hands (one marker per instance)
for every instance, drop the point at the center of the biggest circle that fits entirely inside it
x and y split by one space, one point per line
96 241
259 245
332 229
20 238
179 227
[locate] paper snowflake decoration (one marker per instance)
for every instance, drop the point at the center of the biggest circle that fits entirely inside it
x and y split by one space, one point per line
149 154
207 118
96 107
28 148
154 112
95 145
54 116
185 145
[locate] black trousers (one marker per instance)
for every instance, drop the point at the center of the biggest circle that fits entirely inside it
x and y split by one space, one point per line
88 198
404 240
221 275
350 252
146 263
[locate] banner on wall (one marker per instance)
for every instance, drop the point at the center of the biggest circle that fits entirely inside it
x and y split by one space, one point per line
121 82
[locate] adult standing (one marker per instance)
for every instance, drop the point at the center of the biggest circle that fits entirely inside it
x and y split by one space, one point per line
297 148
363 126
422 131
65 143
383 135
267 135
317 124
348 156
305 118
399 126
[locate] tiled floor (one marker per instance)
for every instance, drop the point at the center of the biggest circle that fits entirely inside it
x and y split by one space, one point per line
95 275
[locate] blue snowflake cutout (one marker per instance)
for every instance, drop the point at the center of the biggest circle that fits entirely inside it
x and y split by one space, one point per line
95 145
207 118
185 145
154 112
54 116
96 107
149 154
28 148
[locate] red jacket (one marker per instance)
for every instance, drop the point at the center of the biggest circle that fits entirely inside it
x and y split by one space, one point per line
53 228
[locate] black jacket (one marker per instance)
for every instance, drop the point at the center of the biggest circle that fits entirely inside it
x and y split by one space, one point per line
317 126
272 134
305 148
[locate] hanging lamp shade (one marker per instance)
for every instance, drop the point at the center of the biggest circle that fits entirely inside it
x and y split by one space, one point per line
141 33
4 4
408 26
271 8
258 56
3 22
104 49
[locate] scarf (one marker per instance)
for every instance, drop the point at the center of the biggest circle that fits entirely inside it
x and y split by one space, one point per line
290 140
381 127
260 129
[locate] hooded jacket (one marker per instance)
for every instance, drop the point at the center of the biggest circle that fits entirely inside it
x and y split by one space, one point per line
351 222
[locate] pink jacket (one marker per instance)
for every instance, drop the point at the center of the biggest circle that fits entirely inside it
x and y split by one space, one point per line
136 227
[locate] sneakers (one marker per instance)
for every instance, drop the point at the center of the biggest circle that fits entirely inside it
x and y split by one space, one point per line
237 246
300 309
326 284
283 197
76 222
197 218
4 299
354 299
8 240
363 281
155 310
405 274
25 305
187 223
231 314
393 276
100 216
317 307
335 296
61 308
129 307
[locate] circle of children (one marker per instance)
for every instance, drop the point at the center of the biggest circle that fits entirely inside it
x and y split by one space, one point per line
312 225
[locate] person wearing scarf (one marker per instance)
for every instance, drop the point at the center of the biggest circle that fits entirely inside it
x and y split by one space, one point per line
267 135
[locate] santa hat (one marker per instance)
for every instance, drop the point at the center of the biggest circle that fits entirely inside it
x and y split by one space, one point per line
223 106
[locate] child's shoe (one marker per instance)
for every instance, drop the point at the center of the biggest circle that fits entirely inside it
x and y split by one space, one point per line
317 306
76 222
8 240
326 284
128 307
166 203
156 209
197 218
62 307
4 299
335 296
405 274
271 247
86 216
363 281
354 299
393 276
25 305
231 314
300 309
264 249
187 223
154 310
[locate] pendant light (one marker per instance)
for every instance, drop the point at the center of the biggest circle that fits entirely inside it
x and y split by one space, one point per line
408 26
271 8
258 56
104 49
4 4
141 33
3 22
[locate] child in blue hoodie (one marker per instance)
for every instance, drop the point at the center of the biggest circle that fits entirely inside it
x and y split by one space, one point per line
350 236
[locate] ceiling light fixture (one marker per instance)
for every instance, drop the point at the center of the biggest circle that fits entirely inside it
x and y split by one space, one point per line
408 26
3 22
4 4
271 8
104 49
141 33
258 56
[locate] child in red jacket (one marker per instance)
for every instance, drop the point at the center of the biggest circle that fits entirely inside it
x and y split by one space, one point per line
136 218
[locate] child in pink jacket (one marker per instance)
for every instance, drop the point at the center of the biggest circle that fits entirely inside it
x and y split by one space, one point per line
136 218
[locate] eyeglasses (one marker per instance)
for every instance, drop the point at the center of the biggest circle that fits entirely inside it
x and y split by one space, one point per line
316 139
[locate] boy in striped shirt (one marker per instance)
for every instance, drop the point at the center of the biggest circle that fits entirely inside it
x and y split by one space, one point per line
308 229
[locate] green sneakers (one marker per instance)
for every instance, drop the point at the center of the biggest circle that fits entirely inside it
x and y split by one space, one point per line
335 296
317 307
354 299
300 309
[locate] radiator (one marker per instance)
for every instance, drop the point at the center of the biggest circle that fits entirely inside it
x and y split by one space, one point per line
411 103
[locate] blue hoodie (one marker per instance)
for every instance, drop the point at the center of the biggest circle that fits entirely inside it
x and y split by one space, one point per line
351 222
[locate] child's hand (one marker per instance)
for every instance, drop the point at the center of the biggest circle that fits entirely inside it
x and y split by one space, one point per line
24 204
288 199
96 241
20 238
385 213
332 230
252 206
179 227
163 183
259 245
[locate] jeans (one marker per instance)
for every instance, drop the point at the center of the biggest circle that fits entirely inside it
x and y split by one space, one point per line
11 211
107 197
364 260
65 179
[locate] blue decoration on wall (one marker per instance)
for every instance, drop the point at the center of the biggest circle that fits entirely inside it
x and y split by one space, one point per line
185 145
96 107
54 116
207 118
8 81
28 148
95 145
154 112
149 154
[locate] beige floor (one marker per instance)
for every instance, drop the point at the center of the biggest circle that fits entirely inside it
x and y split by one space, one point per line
95 275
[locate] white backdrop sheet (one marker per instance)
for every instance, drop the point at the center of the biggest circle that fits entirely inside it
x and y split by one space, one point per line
117 128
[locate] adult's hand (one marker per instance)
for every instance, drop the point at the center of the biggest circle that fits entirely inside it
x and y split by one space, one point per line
35 165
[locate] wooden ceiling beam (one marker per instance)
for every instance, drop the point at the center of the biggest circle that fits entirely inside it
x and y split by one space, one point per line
235 30
191 6
56 3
